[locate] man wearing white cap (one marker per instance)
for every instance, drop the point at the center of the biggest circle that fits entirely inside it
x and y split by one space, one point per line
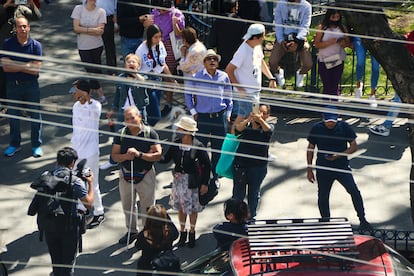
335 141
245 71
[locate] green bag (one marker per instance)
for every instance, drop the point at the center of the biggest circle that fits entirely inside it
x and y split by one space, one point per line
225 164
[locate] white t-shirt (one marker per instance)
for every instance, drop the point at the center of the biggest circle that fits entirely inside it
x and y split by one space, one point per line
248 61
89 19
334 49
147 63
85 122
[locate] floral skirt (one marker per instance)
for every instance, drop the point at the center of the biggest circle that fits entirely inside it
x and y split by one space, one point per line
183 198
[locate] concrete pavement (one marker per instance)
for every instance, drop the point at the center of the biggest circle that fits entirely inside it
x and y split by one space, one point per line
383 181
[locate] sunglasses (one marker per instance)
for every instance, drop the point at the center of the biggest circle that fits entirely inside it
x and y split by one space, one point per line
212 58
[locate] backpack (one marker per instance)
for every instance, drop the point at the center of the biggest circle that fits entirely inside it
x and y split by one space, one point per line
146 129
53 201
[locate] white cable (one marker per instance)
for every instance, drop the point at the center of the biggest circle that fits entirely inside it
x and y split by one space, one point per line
132 204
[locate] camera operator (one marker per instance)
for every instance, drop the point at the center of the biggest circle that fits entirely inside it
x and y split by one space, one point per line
63 243
85 139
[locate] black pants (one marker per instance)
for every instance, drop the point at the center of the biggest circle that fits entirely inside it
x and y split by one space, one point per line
109 41
92 56
63 246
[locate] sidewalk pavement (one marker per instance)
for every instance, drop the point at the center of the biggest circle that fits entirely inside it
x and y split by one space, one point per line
384 181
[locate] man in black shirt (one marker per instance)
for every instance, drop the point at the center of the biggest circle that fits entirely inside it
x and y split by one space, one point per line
136 156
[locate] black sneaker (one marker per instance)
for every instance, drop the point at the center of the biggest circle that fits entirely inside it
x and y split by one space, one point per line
132 237
166 110
96 221
365 226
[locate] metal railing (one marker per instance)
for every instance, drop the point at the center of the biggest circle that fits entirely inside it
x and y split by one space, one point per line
203 23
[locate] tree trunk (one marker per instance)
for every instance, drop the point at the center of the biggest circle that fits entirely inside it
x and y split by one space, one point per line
393 56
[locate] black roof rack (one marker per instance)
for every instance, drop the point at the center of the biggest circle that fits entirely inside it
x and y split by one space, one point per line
329 242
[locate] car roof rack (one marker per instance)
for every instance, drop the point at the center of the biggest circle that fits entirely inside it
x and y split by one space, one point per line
286 243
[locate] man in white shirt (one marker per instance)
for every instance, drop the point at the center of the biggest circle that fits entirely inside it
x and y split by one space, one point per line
85 139
245 71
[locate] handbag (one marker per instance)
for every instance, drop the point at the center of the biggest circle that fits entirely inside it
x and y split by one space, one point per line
176 45
224 166
166 261
211 193
332 61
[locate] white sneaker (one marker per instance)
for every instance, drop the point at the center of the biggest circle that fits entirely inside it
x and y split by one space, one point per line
280 77
299 79
107 165
358 92
373 101
380 130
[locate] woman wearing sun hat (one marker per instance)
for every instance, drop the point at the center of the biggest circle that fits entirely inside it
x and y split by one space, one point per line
186 153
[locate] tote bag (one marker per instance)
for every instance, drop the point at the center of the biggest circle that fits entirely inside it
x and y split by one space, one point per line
225 164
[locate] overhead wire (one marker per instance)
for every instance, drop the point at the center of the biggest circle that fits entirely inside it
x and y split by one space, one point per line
271 99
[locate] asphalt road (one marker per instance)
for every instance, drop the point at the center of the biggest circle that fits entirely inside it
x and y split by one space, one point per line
383 180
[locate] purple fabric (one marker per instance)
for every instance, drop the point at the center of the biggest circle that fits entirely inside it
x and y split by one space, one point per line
164 21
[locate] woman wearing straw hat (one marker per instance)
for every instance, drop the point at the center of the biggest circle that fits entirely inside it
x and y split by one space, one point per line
188 182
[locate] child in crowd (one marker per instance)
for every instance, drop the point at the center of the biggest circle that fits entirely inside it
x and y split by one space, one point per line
237 214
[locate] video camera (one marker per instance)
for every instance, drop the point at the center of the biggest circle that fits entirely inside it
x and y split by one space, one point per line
82 171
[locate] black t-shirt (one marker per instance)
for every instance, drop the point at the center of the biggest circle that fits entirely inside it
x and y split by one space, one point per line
255 143
142 142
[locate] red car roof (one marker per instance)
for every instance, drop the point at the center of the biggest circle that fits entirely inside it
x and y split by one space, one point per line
308 247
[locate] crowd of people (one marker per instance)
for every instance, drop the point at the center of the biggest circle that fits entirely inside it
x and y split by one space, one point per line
219 83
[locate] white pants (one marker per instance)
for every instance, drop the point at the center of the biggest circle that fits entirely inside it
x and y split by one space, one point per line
92 162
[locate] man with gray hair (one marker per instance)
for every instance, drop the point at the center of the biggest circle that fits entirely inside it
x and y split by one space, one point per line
136 148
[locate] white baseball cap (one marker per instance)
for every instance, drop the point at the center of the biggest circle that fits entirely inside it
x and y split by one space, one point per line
254 29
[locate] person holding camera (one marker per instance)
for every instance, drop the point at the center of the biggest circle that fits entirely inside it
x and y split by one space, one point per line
292 20
63 242
249 172
85 139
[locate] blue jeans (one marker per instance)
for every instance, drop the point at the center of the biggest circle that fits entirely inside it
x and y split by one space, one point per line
393 112
325 180
129 45
153 109
209 127
361 54
252 177
245 107
28 92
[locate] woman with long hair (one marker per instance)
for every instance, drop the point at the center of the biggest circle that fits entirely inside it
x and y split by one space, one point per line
152 53
158 235
331 39
89 23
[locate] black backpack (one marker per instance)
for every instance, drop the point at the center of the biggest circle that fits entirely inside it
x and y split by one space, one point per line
53 201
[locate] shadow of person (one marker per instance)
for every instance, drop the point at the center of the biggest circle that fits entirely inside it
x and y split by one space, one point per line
380 150
114 259
16 259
